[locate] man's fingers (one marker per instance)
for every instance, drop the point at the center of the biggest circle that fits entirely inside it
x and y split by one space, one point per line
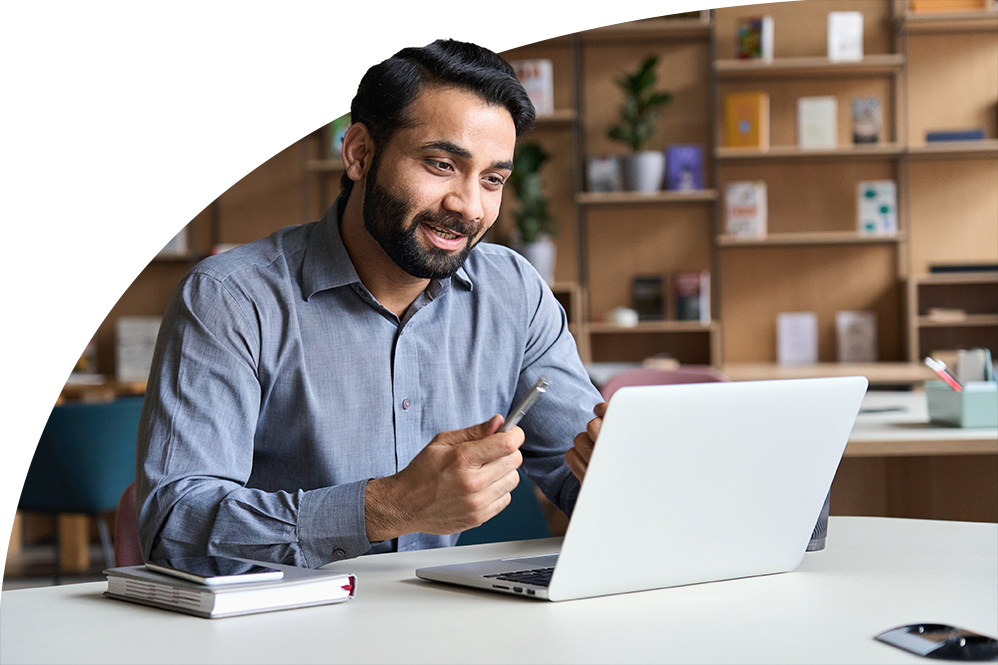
600 409
576 464
593 428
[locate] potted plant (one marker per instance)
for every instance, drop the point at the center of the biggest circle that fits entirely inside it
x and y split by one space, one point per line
535 226
642 169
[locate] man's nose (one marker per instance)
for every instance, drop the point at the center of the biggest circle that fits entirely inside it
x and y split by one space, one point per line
465 199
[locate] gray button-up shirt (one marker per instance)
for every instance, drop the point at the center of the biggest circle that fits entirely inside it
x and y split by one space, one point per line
280 386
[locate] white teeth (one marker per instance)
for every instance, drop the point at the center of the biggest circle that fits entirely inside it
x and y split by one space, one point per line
446 235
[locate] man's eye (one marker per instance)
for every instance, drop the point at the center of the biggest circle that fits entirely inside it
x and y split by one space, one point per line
437 164
496 180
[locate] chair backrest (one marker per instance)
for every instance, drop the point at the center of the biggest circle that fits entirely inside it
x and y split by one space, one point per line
522 519
127 549
85 458
648 376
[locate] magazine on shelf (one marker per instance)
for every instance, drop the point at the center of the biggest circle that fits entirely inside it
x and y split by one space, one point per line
867 120
877 207
683 167
745 209
746 119
817 122
754 38
845 36
537 78
691 291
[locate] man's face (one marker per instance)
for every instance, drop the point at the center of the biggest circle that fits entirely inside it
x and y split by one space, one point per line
435 189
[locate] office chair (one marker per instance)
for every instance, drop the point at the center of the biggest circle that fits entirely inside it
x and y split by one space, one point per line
647 376
522 519
84 461
127 549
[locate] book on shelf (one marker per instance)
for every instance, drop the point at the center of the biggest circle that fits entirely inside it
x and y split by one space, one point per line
691 293
45 22
537 78
648 297
162 19
817 122
877 207
168 230
975 134
683 167
337 130
104 105
237 99
754 38
329 51
745 208
797 338
107 21
607 10
135 341
746 119
948 5
845 36
69 355
441 27
867 120
299 587
603 173
856 337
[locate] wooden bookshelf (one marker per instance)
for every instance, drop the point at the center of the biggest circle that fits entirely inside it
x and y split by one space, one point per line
810 67
815 238
639 198
792 153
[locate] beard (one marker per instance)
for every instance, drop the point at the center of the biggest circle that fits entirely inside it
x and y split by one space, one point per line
384 218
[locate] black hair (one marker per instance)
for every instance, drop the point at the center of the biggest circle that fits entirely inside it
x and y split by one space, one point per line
387 90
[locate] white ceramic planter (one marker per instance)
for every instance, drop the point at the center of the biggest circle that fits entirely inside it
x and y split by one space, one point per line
541 255
644 171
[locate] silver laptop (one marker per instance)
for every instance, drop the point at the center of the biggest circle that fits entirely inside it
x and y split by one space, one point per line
688 484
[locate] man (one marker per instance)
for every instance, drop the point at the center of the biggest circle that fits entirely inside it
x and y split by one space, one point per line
337 388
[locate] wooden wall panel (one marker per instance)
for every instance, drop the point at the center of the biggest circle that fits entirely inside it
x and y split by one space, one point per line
959 91
682 71
631 240
759 283
809 196
783 97
954 212
266 199
801 28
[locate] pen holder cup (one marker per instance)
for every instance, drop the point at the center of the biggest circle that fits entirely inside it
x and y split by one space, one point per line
975 406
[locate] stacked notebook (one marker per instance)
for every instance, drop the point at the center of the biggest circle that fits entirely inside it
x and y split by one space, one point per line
300 587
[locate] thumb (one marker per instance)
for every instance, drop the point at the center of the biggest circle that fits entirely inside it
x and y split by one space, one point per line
474 432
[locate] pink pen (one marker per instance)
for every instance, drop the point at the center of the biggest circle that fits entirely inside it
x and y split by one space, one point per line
940 368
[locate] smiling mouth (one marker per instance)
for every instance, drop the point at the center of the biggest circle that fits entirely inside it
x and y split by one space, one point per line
442 232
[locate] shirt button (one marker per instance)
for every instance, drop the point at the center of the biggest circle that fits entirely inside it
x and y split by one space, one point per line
406 404
339 554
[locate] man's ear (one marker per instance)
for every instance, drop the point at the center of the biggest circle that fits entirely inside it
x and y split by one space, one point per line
358 151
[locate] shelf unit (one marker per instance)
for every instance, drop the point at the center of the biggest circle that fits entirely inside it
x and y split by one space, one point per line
919 65
972 298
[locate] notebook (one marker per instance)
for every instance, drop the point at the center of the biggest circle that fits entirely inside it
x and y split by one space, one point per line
688 484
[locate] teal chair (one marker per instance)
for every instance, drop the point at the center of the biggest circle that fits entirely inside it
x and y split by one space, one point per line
522 519
84 461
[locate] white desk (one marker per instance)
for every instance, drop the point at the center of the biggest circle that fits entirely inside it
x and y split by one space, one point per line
875 574
897 424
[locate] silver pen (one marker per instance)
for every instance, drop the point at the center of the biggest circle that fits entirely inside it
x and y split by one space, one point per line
521 409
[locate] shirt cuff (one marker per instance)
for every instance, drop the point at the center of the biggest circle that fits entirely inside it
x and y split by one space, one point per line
331 524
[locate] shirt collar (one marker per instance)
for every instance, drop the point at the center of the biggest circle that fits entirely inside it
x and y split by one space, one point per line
328 266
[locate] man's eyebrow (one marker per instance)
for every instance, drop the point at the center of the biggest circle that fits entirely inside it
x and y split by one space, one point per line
458 151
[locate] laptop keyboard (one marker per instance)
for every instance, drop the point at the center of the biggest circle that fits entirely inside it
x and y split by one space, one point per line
535 576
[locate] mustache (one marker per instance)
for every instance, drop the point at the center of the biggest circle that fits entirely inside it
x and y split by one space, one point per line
451 222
